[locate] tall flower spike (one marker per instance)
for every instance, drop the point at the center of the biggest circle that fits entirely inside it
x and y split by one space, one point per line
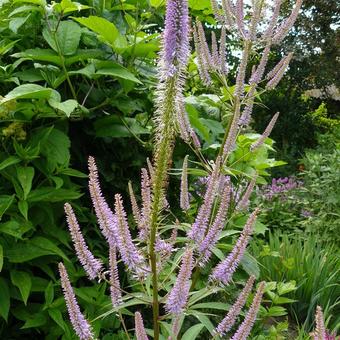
216 10
244 329
214 52
277 76
91 265
244 202
135 209
179 294
266 133
200 225
103 212
129 252
183 120
139 327
79 323
115 292
287 24
214 232
320 330
223 58
273 20
203 67
239 15
224 271
184 199
175 52
258 74
144 225
229 12
228 322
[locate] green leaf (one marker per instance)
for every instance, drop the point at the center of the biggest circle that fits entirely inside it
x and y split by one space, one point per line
57 317
22 280
204 320
16 23
51 194
4 298
66 38
73 173
250 265
35 247
276 311
25 177
23 208
14 228
67 107
41 3
5 202
49 294
68 6
157 3
106 30
284 288
1 257
192 332
35 321
27 91
115 70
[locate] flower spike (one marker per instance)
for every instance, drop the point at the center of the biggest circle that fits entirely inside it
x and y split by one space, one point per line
79 323
91 265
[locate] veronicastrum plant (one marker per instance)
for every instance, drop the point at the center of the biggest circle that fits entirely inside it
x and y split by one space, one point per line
167 258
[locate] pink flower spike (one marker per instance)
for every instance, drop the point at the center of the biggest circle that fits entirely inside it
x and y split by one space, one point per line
139 327
78 321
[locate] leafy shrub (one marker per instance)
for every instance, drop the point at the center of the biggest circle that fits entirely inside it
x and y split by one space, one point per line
313 265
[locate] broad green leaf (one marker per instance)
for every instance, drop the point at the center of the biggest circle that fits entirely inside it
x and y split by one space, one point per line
1 257
41 3
66 39
27 91
105 29
23 208
49 294
286 287
211 305
5 202
192 332
204 320
73 173
51 56
157 3
35 321
22 280
117 71
51 194
25 177
35 247
14 228
199 4
16 23
67 107
4 299
57 317
68 6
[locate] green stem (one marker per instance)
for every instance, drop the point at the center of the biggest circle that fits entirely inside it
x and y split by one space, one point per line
162 158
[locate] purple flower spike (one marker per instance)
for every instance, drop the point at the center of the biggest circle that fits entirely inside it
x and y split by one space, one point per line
103 212
144 224
184 198
176 50
200 225
91 265
139 327
129 252
225 269
244 202
215 230
115 292
134 205
228 322
79 323
179 294
265 134
244 330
